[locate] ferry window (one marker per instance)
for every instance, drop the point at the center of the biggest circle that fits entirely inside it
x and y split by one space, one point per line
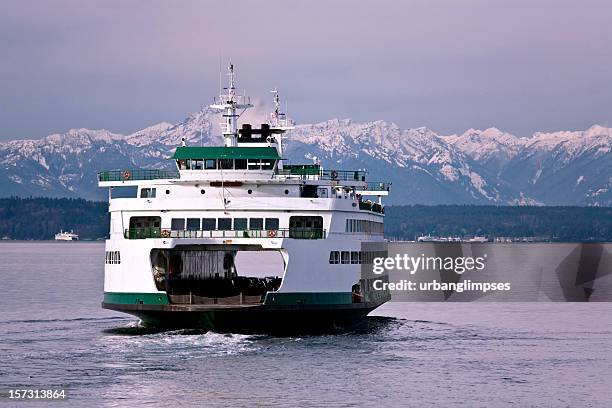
241 164
202 191
345 257
250 191
224 224
178 224
360 253
354 257
188 164
306 227
226 164
271 223
256 223
209 224
286 191
331 257
124 192
181 164
196 165
253 164
334 257
267 164
210 164
193 224
167 191
240 224
147 193
145 222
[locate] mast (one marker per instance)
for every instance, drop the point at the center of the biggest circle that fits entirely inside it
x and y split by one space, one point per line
279 124
230 103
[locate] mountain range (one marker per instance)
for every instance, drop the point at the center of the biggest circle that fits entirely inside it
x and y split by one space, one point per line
476 167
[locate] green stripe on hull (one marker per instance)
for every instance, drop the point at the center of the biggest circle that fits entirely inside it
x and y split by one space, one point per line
126 298
308 298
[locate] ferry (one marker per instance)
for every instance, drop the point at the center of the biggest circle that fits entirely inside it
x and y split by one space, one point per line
175 235
66 236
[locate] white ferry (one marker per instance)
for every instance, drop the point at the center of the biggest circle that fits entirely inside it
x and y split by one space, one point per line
66 236
174 236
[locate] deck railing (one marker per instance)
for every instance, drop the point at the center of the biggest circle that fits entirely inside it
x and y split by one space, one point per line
137 174
376 186
295 233
304 172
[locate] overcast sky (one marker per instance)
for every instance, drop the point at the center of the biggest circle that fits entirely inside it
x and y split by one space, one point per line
449 65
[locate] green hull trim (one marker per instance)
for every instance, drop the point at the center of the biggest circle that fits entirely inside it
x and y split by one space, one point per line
308 298
125 298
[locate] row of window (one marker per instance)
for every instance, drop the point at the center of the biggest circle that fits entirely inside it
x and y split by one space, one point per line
224 224
152 192
354 257
367 226
226 164
113 257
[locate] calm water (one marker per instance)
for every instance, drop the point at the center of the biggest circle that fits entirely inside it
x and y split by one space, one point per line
54 334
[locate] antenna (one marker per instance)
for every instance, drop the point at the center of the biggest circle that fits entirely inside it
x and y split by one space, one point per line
229 103
220 89
279 125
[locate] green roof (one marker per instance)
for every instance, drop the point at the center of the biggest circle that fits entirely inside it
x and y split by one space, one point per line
189 152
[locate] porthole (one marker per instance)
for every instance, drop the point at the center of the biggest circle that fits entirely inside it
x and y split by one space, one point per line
167 191
286 191
202 191
250 191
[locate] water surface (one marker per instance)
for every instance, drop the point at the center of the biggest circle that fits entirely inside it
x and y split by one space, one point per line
54 334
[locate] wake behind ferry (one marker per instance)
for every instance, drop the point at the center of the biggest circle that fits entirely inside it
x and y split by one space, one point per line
170 258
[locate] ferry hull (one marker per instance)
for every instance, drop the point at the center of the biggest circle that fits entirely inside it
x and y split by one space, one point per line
284 319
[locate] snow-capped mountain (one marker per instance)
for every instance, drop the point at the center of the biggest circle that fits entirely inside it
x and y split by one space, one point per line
488 166
552 168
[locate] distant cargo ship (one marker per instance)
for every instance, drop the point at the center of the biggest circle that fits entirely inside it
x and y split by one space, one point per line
66 236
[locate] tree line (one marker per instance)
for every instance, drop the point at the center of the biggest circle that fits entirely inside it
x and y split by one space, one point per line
561 224
41 218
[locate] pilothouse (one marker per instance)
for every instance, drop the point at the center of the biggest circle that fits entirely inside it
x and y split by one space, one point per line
175 235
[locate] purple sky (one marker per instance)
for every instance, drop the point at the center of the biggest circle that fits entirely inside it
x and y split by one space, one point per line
450 65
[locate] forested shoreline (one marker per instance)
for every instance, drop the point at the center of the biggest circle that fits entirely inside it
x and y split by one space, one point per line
40 218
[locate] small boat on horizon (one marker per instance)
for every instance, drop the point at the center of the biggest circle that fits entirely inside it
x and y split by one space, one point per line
66 236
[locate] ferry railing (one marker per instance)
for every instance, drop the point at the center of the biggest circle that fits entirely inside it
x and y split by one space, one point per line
376 186
295 233
142 233
137 174
318 174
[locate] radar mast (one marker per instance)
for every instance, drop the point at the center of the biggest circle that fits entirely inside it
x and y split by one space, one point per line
279 124
230 103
